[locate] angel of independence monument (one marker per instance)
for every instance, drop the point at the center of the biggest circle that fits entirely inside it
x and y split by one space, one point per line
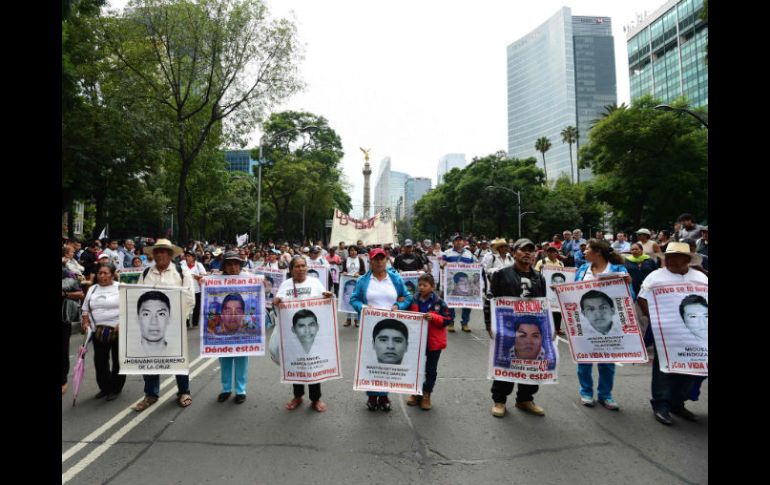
367 172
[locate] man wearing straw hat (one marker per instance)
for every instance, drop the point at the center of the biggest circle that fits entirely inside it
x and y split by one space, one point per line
669 391
168 274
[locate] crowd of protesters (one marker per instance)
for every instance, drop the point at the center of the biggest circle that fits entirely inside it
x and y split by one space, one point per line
92 268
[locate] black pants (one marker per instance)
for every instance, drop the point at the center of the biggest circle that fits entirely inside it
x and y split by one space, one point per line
502 389
431 370
109 381
669 391
557 321
66 332
315 391
196 310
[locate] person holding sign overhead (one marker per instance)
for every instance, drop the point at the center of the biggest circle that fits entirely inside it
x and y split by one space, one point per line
380 288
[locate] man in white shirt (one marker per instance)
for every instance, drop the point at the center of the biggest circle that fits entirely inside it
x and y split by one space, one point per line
669 390
112 251
621 245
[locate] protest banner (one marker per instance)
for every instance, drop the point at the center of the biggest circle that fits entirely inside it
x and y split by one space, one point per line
601 323
555 275
679 319
462 288
130 276
309 345
391 351
374 230
232 317
410 280
272 281
435 268
153 334
522 348
334 271
320 272
365 257
347 286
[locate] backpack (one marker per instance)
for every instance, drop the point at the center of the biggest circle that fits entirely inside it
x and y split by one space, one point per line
177 265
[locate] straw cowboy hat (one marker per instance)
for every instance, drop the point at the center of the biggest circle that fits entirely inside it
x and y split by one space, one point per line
498 242
164 244
684 248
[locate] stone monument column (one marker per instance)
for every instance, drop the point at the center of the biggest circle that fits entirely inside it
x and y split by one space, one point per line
367 172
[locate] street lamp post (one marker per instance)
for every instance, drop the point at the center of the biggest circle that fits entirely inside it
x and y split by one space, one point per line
665 107
262 141
518 197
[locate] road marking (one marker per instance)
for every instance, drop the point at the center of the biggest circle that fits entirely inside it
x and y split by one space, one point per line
621 365
112 422
101 449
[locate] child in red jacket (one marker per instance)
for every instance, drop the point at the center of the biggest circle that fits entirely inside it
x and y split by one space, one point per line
438 318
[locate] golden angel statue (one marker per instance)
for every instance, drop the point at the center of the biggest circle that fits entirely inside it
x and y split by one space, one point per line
366 153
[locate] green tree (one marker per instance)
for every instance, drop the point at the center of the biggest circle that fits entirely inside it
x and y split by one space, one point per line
302 176
201 65
543 144
569 135
650 165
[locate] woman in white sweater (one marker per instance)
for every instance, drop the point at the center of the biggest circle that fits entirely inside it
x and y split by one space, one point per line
101 311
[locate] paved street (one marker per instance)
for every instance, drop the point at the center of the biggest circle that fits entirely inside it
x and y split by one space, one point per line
457 442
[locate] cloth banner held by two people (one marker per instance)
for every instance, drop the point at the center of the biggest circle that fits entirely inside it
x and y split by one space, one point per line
679 320
371 231
309 343
232 317
462 288
391 351
601 323
522 348
153 334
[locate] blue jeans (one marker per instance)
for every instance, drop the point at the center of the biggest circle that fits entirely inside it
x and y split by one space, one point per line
465 315
152 385
431 370
606 379
241 365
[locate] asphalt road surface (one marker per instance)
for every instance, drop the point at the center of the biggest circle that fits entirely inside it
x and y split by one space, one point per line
457 442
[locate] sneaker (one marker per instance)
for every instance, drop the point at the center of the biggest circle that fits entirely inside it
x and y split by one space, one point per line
685 414
240 398
531 408
384 403
371 404
609 404
663 417
466 328
451 328
413 400
224 396
587 401
498 409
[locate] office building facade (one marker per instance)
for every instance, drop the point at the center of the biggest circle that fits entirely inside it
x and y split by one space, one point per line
447 163
240 160
666 54
560 74
414 189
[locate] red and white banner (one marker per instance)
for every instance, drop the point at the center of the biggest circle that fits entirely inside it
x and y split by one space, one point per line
374 230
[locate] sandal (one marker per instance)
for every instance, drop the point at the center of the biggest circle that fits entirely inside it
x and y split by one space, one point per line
145 403
292 405
319 406
184 400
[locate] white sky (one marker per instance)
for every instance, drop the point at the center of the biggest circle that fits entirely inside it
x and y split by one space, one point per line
415 80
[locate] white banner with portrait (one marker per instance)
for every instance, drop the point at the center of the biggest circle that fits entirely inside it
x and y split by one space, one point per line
391 351
374 230
462 288
347 286
153 332
272 281
334 271
679 315
555 275
601 323
435 268
320 272
310 350
410 281
522 348
232 317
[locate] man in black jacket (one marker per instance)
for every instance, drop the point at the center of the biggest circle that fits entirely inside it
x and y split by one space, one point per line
523 281
409 260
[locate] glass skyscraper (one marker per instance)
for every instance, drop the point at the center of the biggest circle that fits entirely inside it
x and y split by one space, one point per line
560 74
666 54
240 160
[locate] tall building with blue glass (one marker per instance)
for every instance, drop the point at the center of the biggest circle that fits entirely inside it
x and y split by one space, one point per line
560 74
666 54
240 160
